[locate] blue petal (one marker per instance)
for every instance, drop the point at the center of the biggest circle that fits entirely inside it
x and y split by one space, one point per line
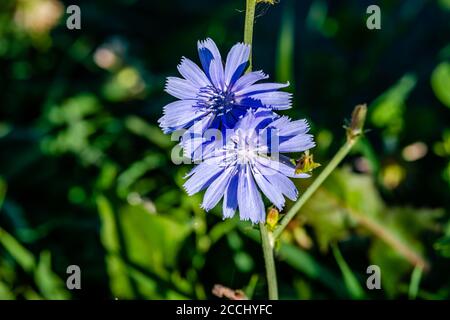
179 114
208 51
290 128
277 100
217 188
291 135
260 88
193 138
216 74
230 201
192 72
279 181
297 143
204 174
251 206
181 88
286 169
236 62
273 193
211 62
248 79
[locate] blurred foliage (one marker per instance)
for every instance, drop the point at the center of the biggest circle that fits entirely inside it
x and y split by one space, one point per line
86 176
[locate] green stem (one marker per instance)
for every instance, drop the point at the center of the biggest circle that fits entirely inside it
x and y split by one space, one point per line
339 156
268 241
248 27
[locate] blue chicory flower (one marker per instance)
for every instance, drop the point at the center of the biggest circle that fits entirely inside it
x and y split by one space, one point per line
217 97
249 160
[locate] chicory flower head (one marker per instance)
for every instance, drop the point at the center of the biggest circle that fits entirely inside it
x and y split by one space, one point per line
217 96
248 161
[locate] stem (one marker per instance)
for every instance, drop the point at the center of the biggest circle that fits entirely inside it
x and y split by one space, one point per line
267 241
248 28
338 157
267 238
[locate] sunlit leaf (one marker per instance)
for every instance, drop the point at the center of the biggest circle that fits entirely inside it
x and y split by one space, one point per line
149 131
137 170
49 284
143 230
118 280
387 110
440 82
23 257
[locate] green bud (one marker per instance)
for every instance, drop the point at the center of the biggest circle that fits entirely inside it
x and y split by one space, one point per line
272 218
357 123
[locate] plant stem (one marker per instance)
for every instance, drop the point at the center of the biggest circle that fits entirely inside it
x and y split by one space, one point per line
248 28
354 132
338 157
267 238
268 241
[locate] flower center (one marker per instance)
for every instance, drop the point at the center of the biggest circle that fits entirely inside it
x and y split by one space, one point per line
245 155
216 100
241 150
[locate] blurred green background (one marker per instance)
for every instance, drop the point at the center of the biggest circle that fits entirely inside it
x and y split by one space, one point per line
86 177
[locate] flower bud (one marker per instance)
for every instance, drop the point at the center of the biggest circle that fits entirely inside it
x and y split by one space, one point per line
272 218
357 123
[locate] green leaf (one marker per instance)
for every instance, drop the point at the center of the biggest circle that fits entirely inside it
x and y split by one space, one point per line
74 109
415 283
49 284
440 82
350 280
151 132
127 178
152 243
152 240
443 244
5 292
326 210
107 176
388 259
304 262
387 110
348 200
118 280
154 287
251 286
23 257
221 229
